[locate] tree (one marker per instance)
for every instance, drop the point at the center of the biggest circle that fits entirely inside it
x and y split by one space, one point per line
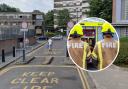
101 9
107 10
63 18
6 8
49 19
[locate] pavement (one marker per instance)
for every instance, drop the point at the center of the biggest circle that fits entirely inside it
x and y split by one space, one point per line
9 57
113 77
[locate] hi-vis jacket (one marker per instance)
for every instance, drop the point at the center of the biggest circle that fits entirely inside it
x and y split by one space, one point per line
79 54
105 52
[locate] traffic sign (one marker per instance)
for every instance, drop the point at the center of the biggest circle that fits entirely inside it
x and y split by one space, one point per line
26 41
70 24
24 30
24 25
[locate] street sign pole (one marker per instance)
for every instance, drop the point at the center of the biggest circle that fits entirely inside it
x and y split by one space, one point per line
69 27
24 29
24 47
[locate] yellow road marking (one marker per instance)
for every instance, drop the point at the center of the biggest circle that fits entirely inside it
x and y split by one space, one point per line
84 77
52 53
20 66
42 45
57 49
81 78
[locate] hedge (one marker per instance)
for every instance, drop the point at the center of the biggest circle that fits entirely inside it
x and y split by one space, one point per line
122 58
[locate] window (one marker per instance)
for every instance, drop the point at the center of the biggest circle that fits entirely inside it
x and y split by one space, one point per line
126 32
14 24
2 24
71 4
20 17
6 23
29 24
124 10
58 5
78 9
78 3
71 10
39 17
64 4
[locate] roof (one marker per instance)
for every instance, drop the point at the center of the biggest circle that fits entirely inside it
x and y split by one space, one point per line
34 12
120 24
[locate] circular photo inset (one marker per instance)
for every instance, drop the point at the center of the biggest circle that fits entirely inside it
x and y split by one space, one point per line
93 44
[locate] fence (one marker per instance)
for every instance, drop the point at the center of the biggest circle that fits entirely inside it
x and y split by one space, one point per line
14 32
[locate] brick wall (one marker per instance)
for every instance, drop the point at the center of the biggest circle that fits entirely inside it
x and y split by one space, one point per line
7 45
32 40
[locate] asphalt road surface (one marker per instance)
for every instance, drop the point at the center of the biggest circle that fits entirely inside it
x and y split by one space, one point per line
34 75
41 77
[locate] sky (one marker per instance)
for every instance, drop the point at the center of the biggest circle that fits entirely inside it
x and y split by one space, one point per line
30 5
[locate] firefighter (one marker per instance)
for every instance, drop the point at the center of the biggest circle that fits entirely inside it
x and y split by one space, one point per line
78 49
106 50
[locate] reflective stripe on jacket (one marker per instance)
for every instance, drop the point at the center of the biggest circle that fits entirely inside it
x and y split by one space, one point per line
85 55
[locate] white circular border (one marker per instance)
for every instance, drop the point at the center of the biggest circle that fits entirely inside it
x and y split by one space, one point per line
99 69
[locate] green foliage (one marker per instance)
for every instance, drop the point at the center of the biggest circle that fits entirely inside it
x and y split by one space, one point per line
63 18
6 8
124 39
122 58
49 19
63 33
101 9
50 34
60 33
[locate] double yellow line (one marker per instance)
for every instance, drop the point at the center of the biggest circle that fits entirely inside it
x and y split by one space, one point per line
83 76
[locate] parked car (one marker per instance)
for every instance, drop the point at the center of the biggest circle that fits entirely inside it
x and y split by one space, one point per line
42 38
58 37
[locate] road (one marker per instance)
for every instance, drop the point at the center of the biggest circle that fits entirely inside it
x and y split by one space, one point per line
57 74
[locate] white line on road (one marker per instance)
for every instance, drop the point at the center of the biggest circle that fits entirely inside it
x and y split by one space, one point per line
48 56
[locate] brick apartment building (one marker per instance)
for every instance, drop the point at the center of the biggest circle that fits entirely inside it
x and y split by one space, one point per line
10 25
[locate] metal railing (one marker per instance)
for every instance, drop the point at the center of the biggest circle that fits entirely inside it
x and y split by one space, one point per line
14 32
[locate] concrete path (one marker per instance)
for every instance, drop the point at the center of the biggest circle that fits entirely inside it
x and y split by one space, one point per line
111 78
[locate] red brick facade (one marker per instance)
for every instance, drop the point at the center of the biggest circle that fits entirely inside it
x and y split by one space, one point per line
7 45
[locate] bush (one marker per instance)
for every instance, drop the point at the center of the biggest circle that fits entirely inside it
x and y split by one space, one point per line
60 33
50 34
122 58
64 33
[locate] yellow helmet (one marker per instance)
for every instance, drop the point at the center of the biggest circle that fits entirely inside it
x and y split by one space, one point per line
107 27
77 29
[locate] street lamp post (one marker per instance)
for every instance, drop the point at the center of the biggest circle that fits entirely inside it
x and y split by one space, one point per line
77 14
43 26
